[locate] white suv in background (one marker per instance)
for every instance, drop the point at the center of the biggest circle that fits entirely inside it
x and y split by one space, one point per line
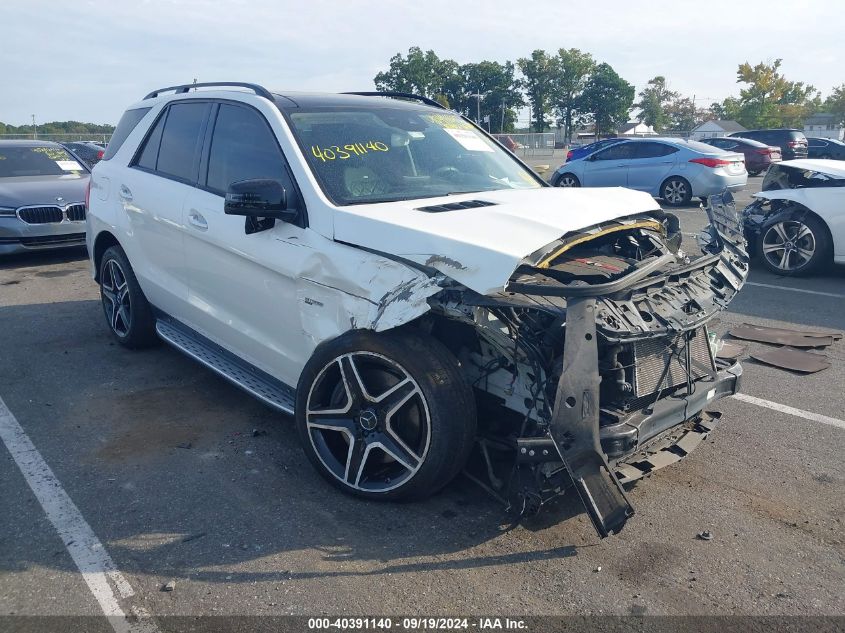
383 269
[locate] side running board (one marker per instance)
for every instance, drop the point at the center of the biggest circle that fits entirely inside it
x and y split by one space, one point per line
249 378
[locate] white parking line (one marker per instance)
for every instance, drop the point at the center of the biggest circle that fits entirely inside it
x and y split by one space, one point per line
791 289
82 544
799 413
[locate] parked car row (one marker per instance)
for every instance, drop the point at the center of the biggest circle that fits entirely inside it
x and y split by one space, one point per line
826 148
758 156
90 152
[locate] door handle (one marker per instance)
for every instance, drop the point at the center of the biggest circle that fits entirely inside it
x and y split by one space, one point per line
197 220
125 193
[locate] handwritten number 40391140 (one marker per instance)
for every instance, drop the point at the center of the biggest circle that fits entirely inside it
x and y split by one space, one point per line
347 151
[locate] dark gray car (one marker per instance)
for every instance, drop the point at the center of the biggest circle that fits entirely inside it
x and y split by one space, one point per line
42 197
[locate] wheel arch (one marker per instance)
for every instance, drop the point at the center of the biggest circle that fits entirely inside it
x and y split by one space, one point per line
103 241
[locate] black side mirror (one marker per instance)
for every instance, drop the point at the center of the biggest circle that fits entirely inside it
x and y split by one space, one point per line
259 198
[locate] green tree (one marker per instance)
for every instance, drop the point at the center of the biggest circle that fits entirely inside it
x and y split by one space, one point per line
608 98
573 68
538 81
770 100
498 83
728 110
681 114
835 103
655 99
422 73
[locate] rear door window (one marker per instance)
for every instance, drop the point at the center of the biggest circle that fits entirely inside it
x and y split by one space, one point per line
652 150
181 140
619 151
149 153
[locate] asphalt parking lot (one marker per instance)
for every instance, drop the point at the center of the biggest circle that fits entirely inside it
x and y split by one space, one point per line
182 477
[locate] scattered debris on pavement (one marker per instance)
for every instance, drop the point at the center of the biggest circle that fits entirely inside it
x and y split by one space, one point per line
169 586
705 535
793 359
778 336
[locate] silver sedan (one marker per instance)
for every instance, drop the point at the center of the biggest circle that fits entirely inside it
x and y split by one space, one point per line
669 168
42 197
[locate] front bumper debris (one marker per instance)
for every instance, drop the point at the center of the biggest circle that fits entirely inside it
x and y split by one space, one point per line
574 426
681 300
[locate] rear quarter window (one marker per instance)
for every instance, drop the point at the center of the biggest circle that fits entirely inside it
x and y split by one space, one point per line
128 122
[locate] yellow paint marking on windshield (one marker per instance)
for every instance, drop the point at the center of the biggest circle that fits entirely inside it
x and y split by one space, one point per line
451 121
645 224
53 153
343 152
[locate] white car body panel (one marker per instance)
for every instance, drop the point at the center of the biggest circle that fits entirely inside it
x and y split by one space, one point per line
826 202
205 278
482 247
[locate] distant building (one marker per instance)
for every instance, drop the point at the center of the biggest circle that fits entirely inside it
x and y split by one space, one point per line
636 128
824 125
714 128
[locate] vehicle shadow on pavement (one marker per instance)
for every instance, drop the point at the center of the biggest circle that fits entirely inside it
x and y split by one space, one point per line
43 258
181 474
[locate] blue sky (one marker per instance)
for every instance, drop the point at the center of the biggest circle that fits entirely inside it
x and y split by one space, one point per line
88 59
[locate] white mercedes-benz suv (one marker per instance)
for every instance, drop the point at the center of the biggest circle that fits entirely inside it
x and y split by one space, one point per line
381 268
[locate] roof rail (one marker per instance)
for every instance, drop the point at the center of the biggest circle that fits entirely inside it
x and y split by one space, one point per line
400 95
259 90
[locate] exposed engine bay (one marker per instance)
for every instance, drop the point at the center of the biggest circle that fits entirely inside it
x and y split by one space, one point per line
595 362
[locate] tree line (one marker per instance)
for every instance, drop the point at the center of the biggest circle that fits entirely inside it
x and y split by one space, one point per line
58 127
570 88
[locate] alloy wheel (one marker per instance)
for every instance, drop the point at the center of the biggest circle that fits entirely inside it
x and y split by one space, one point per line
789 245
116 300
675 191
368 422
567 180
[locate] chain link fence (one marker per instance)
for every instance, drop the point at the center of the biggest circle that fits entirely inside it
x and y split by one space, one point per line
534 144
58 138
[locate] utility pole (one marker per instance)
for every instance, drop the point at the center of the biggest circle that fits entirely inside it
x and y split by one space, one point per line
34 128
502 129
478 96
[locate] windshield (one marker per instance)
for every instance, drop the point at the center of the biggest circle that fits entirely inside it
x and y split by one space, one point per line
37 161
384 154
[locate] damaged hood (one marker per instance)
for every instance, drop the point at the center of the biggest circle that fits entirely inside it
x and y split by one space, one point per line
481 247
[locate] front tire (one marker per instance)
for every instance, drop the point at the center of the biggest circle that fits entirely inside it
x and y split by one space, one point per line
128 313
568 180
676 191
793 244
385 416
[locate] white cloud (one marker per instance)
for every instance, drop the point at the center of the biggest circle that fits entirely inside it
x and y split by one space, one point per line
87 61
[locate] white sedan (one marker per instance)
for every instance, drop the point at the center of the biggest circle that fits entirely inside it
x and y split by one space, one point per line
797 223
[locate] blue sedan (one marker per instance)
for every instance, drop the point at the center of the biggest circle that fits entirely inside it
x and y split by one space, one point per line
585 150
668 168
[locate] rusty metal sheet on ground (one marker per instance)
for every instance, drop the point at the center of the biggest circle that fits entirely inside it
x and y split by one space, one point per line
835 335
773 336
793 359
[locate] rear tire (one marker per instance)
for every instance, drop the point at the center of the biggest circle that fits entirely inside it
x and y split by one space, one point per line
385 416
793 243
128 313
568 180
676 191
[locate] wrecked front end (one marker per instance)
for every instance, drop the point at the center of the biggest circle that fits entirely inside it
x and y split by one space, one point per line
594 365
